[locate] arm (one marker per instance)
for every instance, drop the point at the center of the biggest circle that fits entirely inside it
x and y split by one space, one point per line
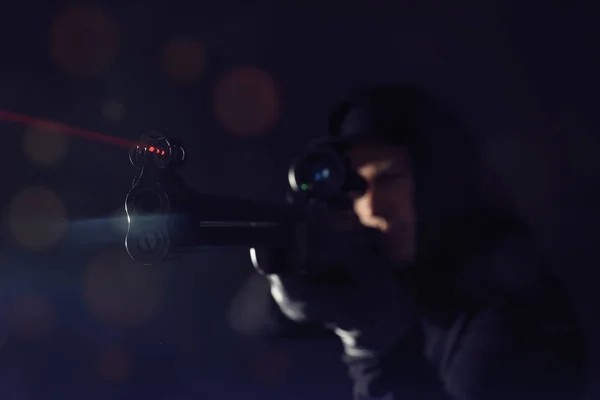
516 353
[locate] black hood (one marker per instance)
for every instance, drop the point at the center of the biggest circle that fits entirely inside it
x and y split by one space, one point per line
461 207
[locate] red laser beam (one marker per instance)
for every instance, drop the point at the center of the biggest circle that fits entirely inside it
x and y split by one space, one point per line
66 129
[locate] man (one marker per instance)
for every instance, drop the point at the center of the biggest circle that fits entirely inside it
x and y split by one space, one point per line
459 282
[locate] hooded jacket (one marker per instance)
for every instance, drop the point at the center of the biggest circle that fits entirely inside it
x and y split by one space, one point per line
495 323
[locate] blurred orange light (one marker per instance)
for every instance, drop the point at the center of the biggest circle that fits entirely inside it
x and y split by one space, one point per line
84 40
37 218
246 102
44 147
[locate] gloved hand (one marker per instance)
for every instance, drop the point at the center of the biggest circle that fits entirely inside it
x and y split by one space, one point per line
362 301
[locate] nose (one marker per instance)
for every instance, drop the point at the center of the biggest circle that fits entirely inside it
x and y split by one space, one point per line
370 212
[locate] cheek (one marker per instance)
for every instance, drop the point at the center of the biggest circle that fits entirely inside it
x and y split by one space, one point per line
402 197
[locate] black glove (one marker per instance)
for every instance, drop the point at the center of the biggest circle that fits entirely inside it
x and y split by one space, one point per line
346 285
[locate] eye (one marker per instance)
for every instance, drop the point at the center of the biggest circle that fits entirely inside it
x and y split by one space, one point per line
391 176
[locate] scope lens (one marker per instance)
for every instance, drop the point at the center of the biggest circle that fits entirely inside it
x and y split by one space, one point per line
321 174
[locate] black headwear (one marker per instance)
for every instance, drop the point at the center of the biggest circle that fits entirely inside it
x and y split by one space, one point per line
444 154
385 113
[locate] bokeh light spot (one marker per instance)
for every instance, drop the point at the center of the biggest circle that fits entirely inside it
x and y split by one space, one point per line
37 218
184 60
247 102
271 366
113 110
31 318
84 41
114 364
45 147
120 291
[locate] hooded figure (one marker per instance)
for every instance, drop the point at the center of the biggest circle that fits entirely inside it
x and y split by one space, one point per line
459 290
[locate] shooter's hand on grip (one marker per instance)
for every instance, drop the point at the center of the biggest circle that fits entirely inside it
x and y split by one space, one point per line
348 287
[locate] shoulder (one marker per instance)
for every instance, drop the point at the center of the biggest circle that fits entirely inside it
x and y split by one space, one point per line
514 349
521 350
520 336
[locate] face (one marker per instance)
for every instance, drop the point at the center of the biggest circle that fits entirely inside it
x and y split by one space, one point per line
388 203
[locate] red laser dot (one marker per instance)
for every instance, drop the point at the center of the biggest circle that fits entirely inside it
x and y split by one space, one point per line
151 149
163 153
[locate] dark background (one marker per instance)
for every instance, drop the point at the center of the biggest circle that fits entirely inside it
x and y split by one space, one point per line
245 85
